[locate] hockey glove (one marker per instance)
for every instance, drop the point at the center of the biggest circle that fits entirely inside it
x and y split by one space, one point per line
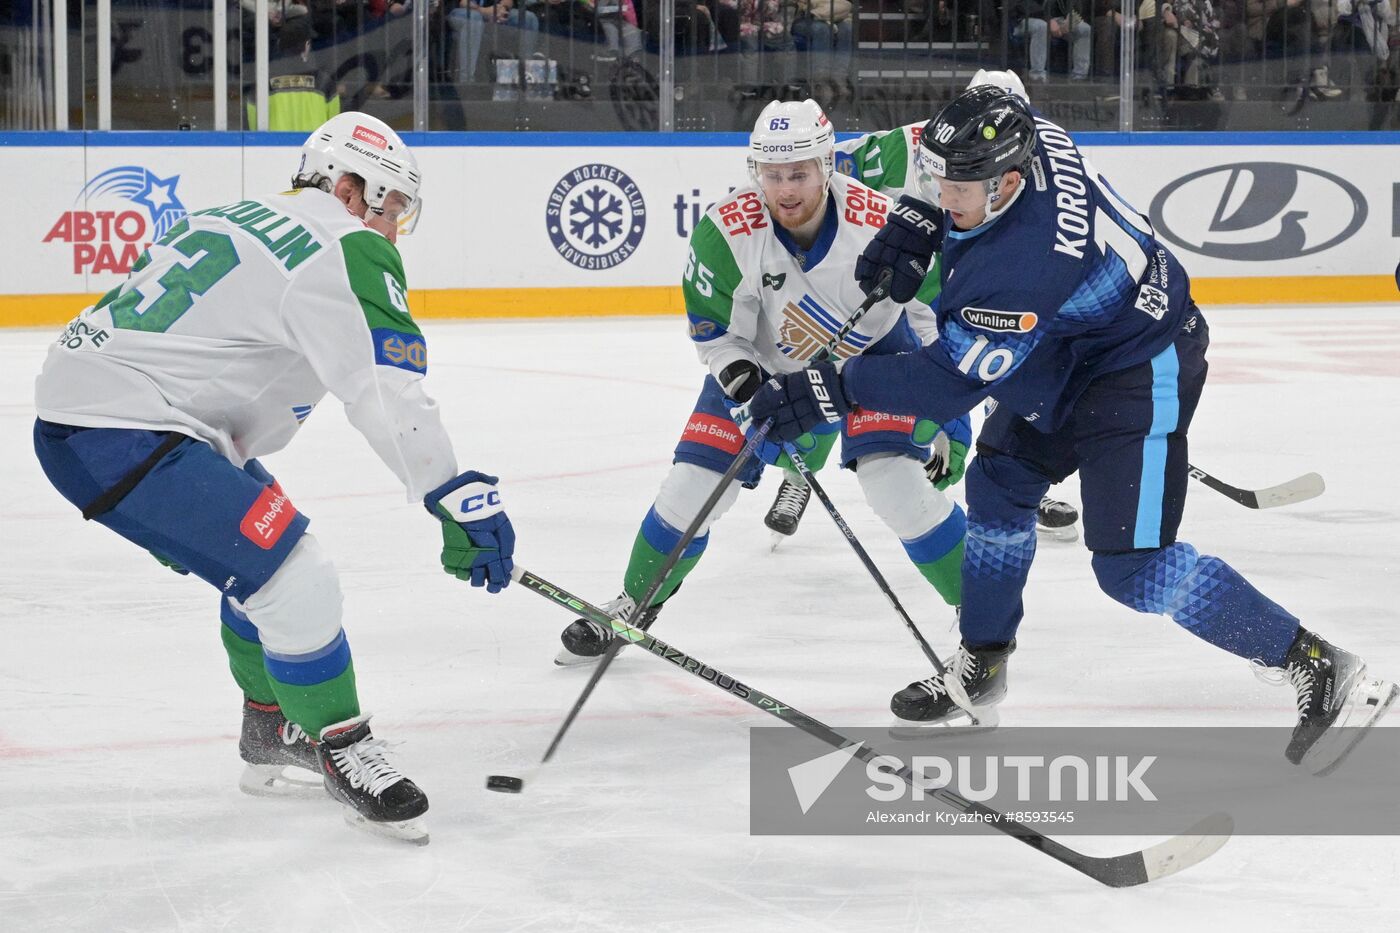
949 461
912 233
477 537
800 401
740 380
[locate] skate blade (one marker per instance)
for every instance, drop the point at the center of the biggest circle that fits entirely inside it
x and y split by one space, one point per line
1067 534
566 658
777 538
959 724
1368 702
414 831
280 781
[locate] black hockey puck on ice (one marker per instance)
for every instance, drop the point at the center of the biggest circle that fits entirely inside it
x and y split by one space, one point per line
504 783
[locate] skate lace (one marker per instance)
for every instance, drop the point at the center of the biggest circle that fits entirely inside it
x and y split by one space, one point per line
364 765
1299 677
963 666
791 498
292 734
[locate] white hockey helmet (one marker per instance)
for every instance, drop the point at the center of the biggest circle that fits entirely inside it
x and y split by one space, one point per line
792 131
366 146
1006 80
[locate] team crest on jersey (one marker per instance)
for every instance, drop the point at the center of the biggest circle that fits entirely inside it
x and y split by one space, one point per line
117 214
595 216
807 327
1152 300
774 282
846 164
1001 322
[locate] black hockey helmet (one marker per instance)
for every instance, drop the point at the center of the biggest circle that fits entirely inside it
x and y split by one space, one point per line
981 134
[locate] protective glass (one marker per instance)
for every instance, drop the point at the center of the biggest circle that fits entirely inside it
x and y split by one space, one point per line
789 178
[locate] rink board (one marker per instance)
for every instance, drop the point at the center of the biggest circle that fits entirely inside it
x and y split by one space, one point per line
531 225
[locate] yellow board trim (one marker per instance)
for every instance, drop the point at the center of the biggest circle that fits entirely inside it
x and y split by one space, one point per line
648 300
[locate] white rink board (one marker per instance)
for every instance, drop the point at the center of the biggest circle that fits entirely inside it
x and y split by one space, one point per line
485 223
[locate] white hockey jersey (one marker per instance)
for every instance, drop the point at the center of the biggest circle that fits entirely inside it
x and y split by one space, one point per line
748 297
236 324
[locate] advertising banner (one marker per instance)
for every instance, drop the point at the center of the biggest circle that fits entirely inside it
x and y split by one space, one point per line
568 229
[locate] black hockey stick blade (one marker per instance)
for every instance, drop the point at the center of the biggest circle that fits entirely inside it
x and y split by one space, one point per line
1300 489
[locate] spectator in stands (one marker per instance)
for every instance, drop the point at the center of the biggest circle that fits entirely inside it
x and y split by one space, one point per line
470 20
301 96
1198 46
617 23
764 40
824 29
1057 19
1303 28
1370 29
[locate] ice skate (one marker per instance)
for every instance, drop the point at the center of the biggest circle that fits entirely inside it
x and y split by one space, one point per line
786 511
585 640
1057 520
280 760
377 797
980 672
1337 702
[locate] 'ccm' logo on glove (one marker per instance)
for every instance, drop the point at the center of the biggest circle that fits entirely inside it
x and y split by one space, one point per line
478 501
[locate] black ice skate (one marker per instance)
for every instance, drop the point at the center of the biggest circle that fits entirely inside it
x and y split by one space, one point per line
1056 520
377 797
585 640
786 511
1337 703
982 674
280 758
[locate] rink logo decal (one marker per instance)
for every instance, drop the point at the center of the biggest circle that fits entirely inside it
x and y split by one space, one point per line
268 518
713 431
117 214
1258 211
861 422
595 216
401 350
1001 322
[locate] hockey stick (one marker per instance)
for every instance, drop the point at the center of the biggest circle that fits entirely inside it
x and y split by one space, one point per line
1300 489
1117 871
880 290
659 578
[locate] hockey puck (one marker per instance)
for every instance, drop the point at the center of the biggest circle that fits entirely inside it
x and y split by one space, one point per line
504 783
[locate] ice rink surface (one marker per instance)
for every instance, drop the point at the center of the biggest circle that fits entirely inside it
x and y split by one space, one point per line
118 751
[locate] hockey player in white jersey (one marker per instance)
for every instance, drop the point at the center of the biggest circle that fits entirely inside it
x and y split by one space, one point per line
767 284
155 403
885 161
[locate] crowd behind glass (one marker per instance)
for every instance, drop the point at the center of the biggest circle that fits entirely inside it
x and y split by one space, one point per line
596 64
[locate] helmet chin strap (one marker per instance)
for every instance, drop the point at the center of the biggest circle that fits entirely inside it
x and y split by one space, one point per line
993 186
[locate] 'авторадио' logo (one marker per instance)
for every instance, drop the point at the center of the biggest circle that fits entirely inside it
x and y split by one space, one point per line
596 216
125 209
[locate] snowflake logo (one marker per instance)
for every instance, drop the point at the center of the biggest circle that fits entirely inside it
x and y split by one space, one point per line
595 216
596 208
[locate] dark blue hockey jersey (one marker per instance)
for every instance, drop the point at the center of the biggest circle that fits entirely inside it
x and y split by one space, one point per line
1066 285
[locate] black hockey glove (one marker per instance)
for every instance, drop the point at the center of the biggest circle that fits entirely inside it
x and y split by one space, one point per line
740 380
913 232
800 401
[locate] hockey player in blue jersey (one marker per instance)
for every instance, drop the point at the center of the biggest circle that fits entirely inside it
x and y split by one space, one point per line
1060 304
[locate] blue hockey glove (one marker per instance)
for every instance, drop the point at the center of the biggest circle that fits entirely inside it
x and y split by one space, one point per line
912 233
800 401
477 537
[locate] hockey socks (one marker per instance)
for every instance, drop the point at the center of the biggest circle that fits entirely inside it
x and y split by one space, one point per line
1202 594
939 555
313 689
654 542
